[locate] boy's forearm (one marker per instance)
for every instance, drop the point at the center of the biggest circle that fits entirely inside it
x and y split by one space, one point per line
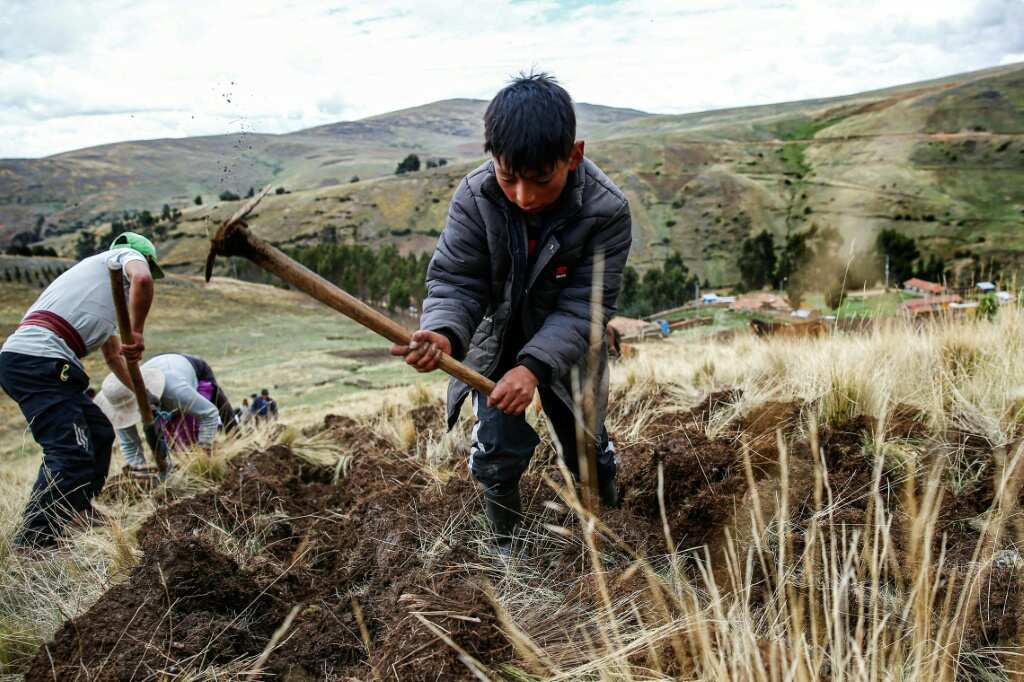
115 361
140 298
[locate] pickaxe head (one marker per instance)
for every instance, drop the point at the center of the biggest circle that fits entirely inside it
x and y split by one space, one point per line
231 238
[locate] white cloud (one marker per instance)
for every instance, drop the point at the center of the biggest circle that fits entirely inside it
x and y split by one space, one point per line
76 74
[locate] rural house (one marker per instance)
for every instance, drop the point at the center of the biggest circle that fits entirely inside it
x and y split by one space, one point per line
916 285
929 305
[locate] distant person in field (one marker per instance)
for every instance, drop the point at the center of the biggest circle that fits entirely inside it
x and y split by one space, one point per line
509 289
41 369
270 403
190 404
244 414
263 406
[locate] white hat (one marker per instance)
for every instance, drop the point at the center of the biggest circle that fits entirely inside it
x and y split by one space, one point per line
117 401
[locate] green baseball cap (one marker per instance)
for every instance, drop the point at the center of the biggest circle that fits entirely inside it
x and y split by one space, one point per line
136 242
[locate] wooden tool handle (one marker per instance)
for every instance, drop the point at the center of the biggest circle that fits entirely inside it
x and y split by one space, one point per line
304 279
124 327
233 238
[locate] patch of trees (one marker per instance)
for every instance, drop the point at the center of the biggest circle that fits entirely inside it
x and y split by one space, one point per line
228 195
901 252
668 286
34 250
145 223
811 261
387 279
411 164
905 259
757 261
142 222
807 261
382 277
40 277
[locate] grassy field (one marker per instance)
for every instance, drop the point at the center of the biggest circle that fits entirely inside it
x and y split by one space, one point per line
794 509
886 304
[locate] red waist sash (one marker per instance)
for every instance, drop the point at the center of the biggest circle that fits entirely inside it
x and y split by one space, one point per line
59 326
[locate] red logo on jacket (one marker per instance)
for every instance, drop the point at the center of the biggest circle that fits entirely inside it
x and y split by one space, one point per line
561 271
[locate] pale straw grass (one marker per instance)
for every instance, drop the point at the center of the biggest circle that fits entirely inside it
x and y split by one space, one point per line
845 605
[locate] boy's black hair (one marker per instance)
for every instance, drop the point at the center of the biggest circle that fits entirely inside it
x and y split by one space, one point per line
530 124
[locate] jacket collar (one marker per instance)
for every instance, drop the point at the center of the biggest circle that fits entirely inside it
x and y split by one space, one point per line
576 182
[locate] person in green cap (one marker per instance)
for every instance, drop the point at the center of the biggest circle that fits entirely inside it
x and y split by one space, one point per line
41 370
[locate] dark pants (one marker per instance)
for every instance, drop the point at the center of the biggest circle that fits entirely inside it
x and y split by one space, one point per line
503 444
75 436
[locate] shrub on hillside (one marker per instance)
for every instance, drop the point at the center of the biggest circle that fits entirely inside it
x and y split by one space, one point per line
667 286
409 164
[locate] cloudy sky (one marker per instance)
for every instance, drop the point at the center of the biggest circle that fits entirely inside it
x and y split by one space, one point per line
76 74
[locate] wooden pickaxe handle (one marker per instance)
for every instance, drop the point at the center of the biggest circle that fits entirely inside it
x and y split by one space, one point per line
124 327
235 239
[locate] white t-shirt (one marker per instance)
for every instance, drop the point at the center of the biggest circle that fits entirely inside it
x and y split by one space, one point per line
81 296
179 395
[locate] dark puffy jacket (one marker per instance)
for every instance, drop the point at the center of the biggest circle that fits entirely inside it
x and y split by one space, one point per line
479 272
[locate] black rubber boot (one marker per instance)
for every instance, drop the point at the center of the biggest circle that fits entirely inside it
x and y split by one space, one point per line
608 491
504 512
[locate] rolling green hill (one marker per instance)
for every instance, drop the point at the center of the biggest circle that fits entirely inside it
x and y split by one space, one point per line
941 160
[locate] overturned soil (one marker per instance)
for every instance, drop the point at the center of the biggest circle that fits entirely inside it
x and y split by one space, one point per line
382 571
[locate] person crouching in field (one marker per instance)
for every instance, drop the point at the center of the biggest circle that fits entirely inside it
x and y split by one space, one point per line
509 289
191 404
41 369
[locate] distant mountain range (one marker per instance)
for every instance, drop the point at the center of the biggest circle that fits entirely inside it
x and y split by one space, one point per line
941 160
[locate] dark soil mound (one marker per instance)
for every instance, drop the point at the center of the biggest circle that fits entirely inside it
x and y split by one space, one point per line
382 560
184 603
347 552
700 481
